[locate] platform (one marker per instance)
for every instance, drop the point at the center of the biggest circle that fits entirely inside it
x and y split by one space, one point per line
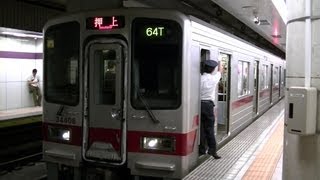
14 117
19 113
255 153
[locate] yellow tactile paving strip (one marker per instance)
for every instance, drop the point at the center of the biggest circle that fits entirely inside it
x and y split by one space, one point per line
266 160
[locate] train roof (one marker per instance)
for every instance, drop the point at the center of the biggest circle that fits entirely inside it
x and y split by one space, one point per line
149 12
218 28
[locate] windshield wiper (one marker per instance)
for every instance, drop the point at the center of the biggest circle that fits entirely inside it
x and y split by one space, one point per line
145 103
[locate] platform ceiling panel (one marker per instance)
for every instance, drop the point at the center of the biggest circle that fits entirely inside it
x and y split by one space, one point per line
21 15
272 26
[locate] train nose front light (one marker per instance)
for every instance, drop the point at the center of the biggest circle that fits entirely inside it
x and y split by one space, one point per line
60 134
159 143
66 135
153 143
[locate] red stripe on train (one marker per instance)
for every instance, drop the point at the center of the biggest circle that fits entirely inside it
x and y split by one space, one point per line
184 143
275 88
264 93
195 122
242 102
112 136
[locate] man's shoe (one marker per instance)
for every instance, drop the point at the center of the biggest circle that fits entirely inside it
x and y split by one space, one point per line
201 154
216 156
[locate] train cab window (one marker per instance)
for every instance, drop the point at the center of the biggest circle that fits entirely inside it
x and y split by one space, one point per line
61 63
243 78
156 63
264 77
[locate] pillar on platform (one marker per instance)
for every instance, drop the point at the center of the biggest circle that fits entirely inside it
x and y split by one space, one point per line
301 155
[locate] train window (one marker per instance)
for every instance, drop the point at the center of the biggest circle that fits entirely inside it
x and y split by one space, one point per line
61 63
264 77
284 77
243 78
275 76
105 67
223 83
205 55
156 63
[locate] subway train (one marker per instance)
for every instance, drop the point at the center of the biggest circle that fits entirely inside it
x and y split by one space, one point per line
121 91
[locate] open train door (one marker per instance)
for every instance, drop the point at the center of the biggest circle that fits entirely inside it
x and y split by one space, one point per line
223 106
104 127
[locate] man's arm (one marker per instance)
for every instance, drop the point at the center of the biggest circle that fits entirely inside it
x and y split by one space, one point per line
220 67
30 81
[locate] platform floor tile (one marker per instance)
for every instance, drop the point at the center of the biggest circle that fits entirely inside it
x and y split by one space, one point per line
265 163
239 150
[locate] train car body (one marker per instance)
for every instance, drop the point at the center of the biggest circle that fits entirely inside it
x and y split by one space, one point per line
121 89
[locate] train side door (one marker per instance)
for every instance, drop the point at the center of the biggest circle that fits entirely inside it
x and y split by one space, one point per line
271 83
104 125
255 87
224 98
280 81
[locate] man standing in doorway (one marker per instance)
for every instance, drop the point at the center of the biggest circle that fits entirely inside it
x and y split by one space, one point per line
33 82
209 81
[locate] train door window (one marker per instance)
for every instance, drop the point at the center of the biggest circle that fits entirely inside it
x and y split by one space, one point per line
284 77
281 76
275 76
61 63
255 72
255 87
105 71
280 80
223 83
243 78
156 63
223 97
264 77
205 55
271 82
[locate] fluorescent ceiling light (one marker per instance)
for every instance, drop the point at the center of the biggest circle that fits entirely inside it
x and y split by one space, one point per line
282 9
21 34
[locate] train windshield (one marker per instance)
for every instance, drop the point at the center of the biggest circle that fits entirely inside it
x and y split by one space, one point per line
61 66
156 63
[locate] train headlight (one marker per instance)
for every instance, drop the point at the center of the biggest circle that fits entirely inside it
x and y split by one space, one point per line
57 133
158 143
66 135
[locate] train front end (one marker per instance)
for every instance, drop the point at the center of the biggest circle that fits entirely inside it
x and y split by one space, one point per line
114 87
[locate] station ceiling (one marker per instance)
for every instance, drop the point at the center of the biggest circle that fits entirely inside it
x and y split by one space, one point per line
271 26
235 16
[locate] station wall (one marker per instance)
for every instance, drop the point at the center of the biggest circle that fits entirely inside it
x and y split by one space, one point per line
18 57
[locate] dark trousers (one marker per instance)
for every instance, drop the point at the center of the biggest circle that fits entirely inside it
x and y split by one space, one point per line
207 128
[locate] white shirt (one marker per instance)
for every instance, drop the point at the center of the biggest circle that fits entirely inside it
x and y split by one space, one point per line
35 80
208 86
